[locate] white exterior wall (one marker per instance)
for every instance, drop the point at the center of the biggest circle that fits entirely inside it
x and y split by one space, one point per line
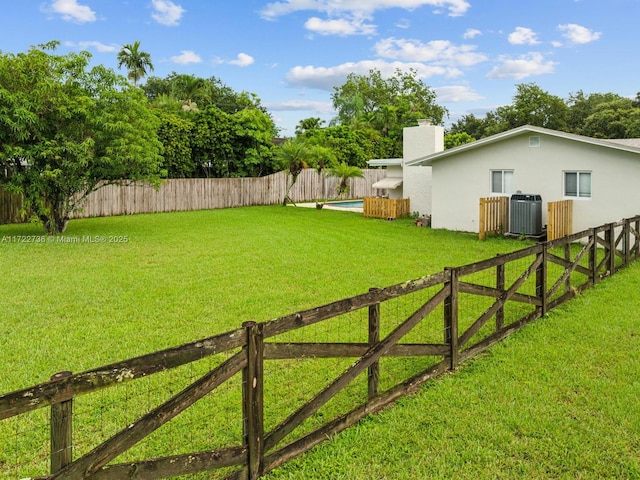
460 180
395 171
417 188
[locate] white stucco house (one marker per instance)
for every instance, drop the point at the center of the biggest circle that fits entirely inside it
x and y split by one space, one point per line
600 176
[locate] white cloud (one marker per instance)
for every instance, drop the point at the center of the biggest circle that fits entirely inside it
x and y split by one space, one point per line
325 78
439 52
471 33
242 60
186 57
522 67
578 34
166 12
341 26
71 11
325 108
523 36
93 45
456 93
339 7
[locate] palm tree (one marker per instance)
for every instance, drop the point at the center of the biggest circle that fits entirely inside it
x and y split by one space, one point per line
136 61
308 124
192 91
344 172
292 156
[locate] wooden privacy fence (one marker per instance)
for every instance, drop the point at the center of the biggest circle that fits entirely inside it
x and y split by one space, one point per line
494 216
559 219
445 318
206 193
389 208
10 206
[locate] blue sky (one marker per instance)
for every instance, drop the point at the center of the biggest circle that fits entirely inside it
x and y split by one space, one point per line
291 53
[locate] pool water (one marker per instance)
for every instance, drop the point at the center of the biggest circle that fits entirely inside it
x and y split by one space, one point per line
349 204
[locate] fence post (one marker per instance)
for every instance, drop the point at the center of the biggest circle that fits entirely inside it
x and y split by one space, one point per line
627 241
593 257
610 241
451 317
500 284
541 280
567 257
636 246
482 227
61 425
374 337
253 399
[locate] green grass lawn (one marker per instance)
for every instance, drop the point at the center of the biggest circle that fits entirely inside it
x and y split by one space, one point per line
546 403
559 399
184 276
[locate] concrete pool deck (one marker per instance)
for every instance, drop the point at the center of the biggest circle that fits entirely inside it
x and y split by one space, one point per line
328 206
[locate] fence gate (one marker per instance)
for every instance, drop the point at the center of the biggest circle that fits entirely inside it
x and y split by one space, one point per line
494 216
559 219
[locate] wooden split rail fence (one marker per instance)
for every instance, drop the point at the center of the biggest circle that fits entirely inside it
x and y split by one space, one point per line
469 308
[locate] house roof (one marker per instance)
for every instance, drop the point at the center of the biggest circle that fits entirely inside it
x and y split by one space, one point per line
630 145
631 142
384 162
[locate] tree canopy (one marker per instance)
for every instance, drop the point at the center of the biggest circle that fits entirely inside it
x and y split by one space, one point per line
209 130
598 115
389 104
176 90
66 130
382 107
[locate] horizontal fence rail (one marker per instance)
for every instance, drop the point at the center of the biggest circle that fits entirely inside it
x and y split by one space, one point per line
390 341
183 194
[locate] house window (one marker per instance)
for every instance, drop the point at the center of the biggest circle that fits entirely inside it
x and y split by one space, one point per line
501 182
577 184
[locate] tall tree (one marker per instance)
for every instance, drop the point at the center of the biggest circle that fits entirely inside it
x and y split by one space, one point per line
452 140
386 105
582 106
254 131
135 60
473 126
397 101
175 131
67 130
531 106
308 124
615 119
204 92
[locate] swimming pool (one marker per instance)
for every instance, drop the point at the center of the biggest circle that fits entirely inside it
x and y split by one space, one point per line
346 204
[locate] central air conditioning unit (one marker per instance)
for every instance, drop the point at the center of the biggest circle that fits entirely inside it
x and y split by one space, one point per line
525 214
